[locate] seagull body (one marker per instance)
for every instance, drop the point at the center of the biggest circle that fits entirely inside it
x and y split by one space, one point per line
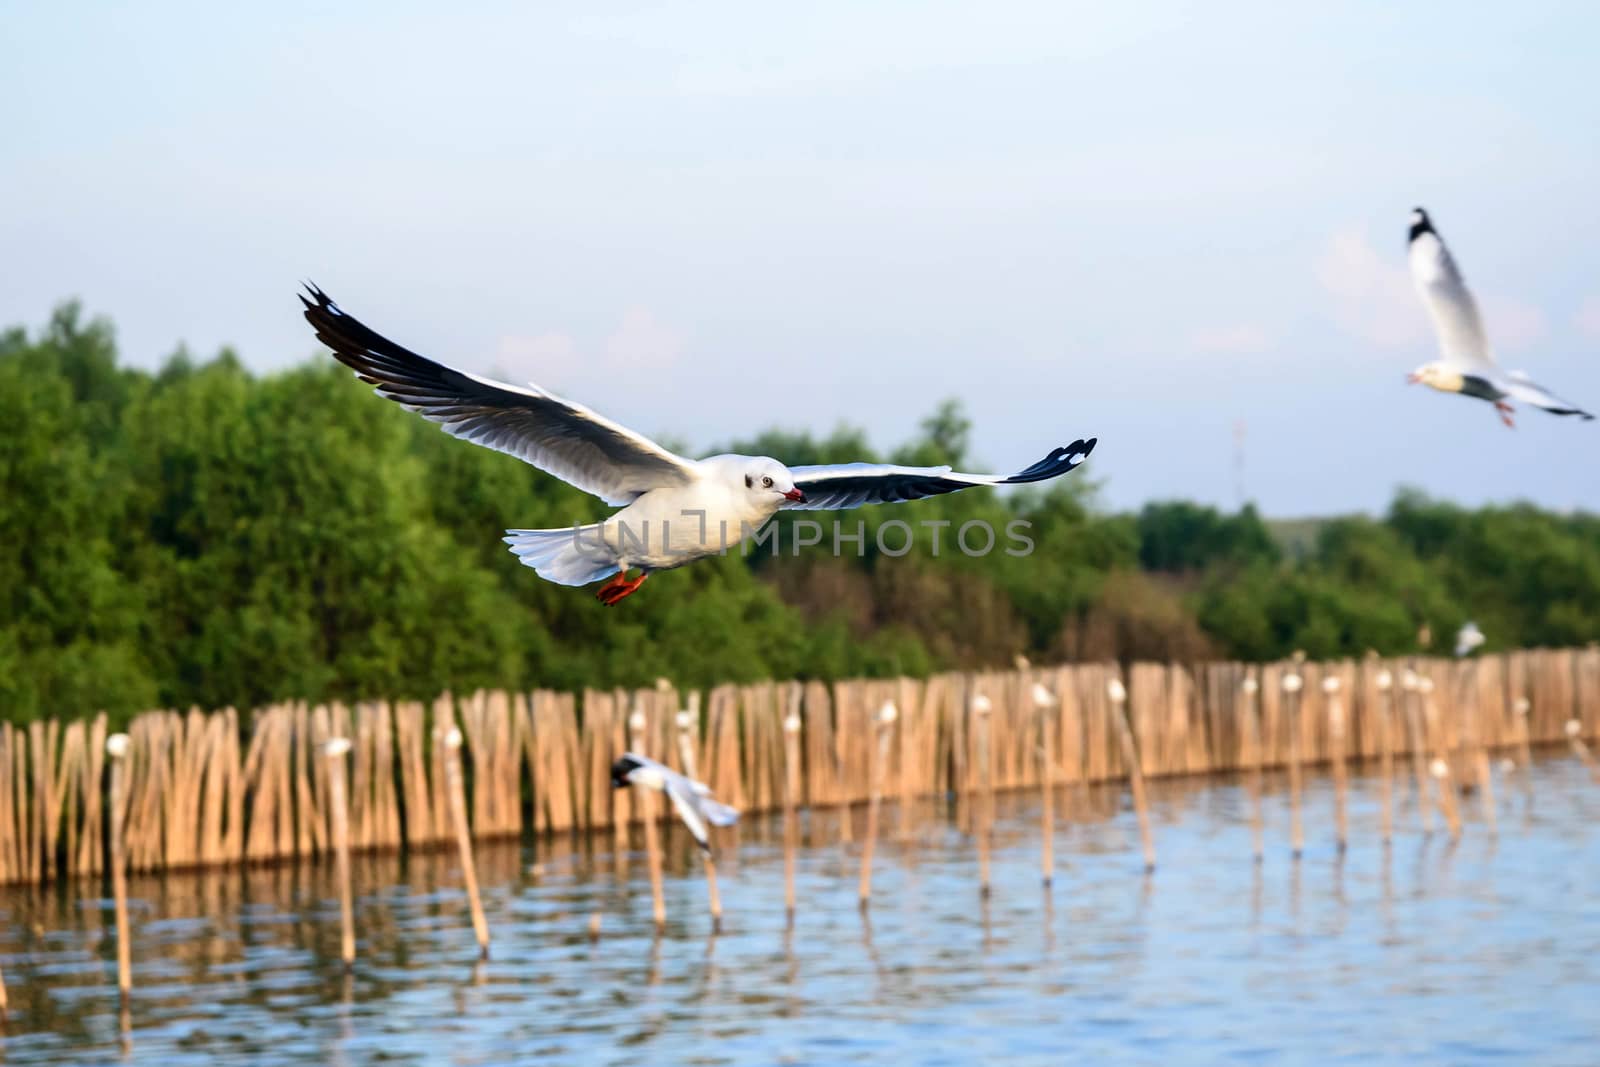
1466 364
674 510
691 799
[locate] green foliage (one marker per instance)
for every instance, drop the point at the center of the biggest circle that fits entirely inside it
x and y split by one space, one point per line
205 536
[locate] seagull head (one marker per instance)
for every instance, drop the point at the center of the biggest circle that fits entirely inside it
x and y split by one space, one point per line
765 478
1420 223
622 770
1436 375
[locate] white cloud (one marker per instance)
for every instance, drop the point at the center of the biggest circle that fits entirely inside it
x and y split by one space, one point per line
643 341
1239 339
1371 296
1588 317
557 360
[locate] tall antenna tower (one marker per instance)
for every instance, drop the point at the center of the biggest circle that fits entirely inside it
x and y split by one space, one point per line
1238 463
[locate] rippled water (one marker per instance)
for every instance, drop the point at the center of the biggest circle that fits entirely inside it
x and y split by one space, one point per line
1422 953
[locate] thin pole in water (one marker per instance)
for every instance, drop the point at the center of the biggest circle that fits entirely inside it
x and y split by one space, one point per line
685 720
1440 770
1292 683
1385 684
458 818
1440 766
1045 701
1574 731
879 755
1410 684
335 750
646 802
1252 726
1130 756
1520 708
791 822
117 749
980 728
1330 688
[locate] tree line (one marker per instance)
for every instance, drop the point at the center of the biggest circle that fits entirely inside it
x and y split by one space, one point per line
202 535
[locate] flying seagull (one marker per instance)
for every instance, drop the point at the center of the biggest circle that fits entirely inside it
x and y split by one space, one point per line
1466 364
690 798
674 510
1468 638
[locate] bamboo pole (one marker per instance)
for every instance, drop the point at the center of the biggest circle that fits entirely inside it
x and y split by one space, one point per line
981 709
335 750
686 739
117 750
1440 769
1574 731
791 821
647 812
1480 759
1385 684
458 817
1410 685
1130 758
879 756
1292 684
1330 689
1252 730
1045 701
1524 746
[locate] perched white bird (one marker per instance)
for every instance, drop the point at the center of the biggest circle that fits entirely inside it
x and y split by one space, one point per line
1468 638
692 799
674 510
1466 363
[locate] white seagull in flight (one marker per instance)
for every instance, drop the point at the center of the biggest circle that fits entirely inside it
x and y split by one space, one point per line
673 510
692 799
1466 364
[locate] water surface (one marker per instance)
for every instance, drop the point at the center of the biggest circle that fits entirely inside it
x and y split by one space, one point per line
1420 953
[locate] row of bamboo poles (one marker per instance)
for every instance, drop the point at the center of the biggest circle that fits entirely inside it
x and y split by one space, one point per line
220 788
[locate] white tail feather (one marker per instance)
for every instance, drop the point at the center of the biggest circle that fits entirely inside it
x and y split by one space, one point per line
572 556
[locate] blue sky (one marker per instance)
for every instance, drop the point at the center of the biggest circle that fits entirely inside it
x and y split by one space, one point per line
1147 223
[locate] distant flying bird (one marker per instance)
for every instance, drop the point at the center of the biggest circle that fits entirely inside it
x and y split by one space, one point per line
1468 638
1466 363
674 510
690 798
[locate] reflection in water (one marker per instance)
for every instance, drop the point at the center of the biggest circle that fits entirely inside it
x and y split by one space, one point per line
244 964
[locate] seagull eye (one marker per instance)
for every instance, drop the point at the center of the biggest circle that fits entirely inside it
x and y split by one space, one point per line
766 483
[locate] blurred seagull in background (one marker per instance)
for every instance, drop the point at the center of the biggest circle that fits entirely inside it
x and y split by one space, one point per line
1466 364
1468 638
692 799
674 510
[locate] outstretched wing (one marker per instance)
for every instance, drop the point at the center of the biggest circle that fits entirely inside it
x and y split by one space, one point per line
852 485
1456 321
683 800
1520 387
566 439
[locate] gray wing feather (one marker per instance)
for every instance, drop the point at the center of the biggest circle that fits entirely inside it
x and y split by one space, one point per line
688 809
566 439
852 485
1522 388
1456 322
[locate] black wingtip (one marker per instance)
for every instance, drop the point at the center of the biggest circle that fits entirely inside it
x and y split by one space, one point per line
1060 461
1420 224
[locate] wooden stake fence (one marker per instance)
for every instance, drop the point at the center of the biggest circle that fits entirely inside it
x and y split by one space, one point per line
227 788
